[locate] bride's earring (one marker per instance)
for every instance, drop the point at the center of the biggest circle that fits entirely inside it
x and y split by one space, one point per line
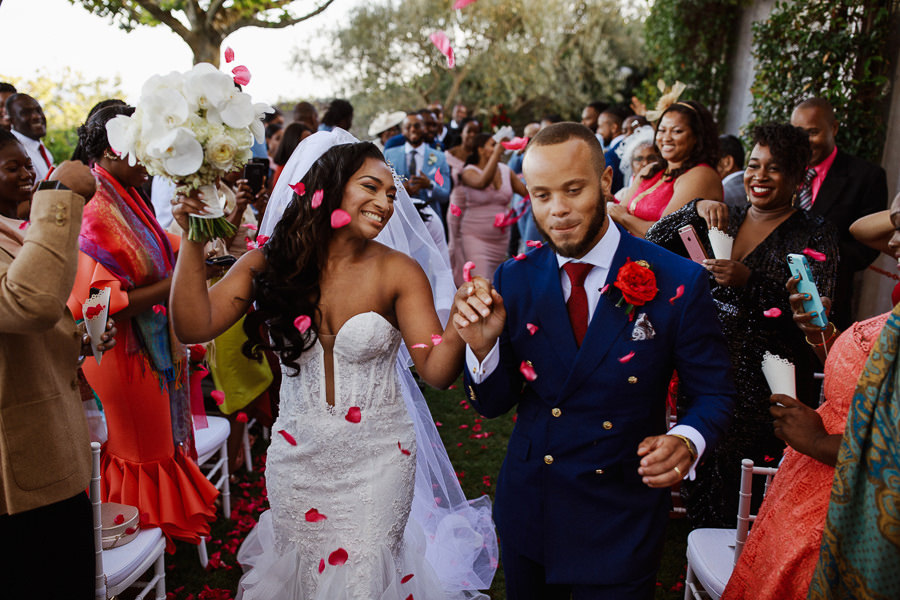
109 155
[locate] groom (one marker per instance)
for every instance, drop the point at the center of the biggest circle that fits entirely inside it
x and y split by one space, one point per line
582 336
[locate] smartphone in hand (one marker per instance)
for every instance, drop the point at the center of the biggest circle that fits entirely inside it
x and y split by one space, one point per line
799 267
255 172
694 247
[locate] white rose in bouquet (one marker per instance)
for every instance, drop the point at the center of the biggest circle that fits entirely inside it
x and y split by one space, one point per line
221 152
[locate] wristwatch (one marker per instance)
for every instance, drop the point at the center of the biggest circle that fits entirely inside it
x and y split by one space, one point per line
51 184
690 445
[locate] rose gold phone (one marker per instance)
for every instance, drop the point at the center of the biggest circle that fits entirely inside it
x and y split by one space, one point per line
694 247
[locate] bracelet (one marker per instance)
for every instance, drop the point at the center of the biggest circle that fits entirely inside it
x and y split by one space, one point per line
687 442
824 341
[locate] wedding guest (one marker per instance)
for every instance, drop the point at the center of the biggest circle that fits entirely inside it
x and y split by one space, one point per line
609 128
752 306
29 125
586 476
457 155
6 90
454 127
432 128
385 126
306 113
45 460
293 134
637 151
590 116
274 133
780 556
338 114
487 186
147 460
78 152
550 119
632 122
438 109
731 170
841 188
687 139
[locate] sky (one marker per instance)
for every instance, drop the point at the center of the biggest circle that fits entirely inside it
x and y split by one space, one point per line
48 35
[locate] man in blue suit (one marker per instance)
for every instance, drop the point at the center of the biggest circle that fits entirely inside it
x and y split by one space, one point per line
582 337
419 164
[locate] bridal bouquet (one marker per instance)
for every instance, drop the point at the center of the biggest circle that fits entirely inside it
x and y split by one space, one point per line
192 127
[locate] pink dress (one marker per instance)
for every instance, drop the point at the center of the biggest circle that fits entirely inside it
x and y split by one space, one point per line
783 547
652 197
473 236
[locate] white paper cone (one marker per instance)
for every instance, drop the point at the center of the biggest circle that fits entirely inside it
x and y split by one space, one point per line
721 243
779 374
96 325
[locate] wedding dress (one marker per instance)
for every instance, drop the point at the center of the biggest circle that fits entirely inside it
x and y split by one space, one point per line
373 465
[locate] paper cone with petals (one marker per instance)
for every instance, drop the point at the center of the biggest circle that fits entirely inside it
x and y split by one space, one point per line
96 313
779 373
721 243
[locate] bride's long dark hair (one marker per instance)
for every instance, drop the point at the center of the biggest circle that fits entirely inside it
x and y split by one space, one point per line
296 255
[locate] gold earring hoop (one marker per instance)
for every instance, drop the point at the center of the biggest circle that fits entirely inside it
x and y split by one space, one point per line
109 155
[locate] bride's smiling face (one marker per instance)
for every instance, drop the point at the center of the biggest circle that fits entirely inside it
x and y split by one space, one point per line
369 198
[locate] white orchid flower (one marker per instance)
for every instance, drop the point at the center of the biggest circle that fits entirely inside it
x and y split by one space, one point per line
122 133
165 108
207 87
179 151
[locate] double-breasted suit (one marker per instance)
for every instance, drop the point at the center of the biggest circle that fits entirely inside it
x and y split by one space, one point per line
569 495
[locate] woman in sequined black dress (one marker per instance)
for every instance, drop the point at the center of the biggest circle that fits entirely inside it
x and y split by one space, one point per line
765 231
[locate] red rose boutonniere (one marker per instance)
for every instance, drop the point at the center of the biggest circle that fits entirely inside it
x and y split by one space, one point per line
637 283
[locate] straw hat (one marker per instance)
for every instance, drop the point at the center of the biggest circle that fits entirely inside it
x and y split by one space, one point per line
385 121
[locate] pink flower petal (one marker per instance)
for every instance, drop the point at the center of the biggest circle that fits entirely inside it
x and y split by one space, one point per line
500 220
261 240
130 530
534 243
316 202
772 313
410 597
302 323
288 437
519 257
229 54
403 450
439 178
354 415
531 327
419 346
93 311
517 143
299 188
241 417
436 339
679 292
455 210
768 458
241 75
627 357
24 224
218 396
159 309
603 289
439 39
119 519
339 218
314 516
250 226
462 4
814 254
467 270
321 565
527 371
410 576
338 557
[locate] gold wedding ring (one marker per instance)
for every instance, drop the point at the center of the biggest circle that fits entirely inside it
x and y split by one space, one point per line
677 470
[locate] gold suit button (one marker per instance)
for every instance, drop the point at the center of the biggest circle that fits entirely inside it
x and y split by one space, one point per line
607 425
548 459
60 218
599 471
632 379
556 412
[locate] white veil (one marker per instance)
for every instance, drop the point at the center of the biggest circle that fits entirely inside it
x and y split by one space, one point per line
461 544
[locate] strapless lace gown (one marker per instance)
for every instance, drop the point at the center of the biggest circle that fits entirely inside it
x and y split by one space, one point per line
359 475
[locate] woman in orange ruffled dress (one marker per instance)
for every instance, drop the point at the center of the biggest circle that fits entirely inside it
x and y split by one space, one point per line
783 547
148 460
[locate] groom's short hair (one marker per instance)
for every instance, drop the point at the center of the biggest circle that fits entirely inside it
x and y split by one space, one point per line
559 133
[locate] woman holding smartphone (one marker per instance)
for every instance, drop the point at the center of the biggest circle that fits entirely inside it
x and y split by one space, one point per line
749 292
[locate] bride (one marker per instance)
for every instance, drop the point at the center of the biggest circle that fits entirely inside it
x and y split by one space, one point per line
364 502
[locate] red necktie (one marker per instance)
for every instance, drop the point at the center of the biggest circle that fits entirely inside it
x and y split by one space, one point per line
43 152
577 305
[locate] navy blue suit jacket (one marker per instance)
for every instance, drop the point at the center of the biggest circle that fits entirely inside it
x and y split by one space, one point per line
569 495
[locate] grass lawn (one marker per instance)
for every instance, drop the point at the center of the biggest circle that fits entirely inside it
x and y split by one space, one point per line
475 445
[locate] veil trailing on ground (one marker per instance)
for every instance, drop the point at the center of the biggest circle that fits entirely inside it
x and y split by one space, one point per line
461 544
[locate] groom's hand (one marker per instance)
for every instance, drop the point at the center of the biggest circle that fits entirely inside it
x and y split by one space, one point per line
666 460
479 316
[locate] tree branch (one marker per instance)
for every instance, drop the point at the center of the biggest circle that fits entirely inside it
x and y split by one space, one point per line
254 22
214 7
166 18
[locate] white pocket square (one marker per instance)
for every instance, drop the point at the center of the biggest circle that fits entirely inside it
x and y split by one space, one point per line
643 329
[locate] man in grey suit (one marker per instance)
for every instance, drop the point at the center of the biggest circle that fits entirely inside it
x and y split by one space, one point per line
731 170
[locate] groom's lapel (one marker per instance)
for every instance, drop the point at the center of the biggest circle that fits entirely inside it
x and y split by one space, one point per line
552 315
607 322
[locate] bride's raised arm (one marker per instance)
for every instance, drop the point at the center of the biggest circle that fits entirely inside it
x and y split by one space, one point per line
199 314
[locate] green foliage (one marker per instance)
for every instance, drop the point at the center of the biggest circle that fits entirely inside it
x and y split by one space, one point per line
66 98
693 41
838 49
532 57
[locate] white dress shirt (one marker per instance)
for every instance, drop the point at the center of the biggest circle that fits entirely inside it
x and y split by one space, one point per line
32 148
601 257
